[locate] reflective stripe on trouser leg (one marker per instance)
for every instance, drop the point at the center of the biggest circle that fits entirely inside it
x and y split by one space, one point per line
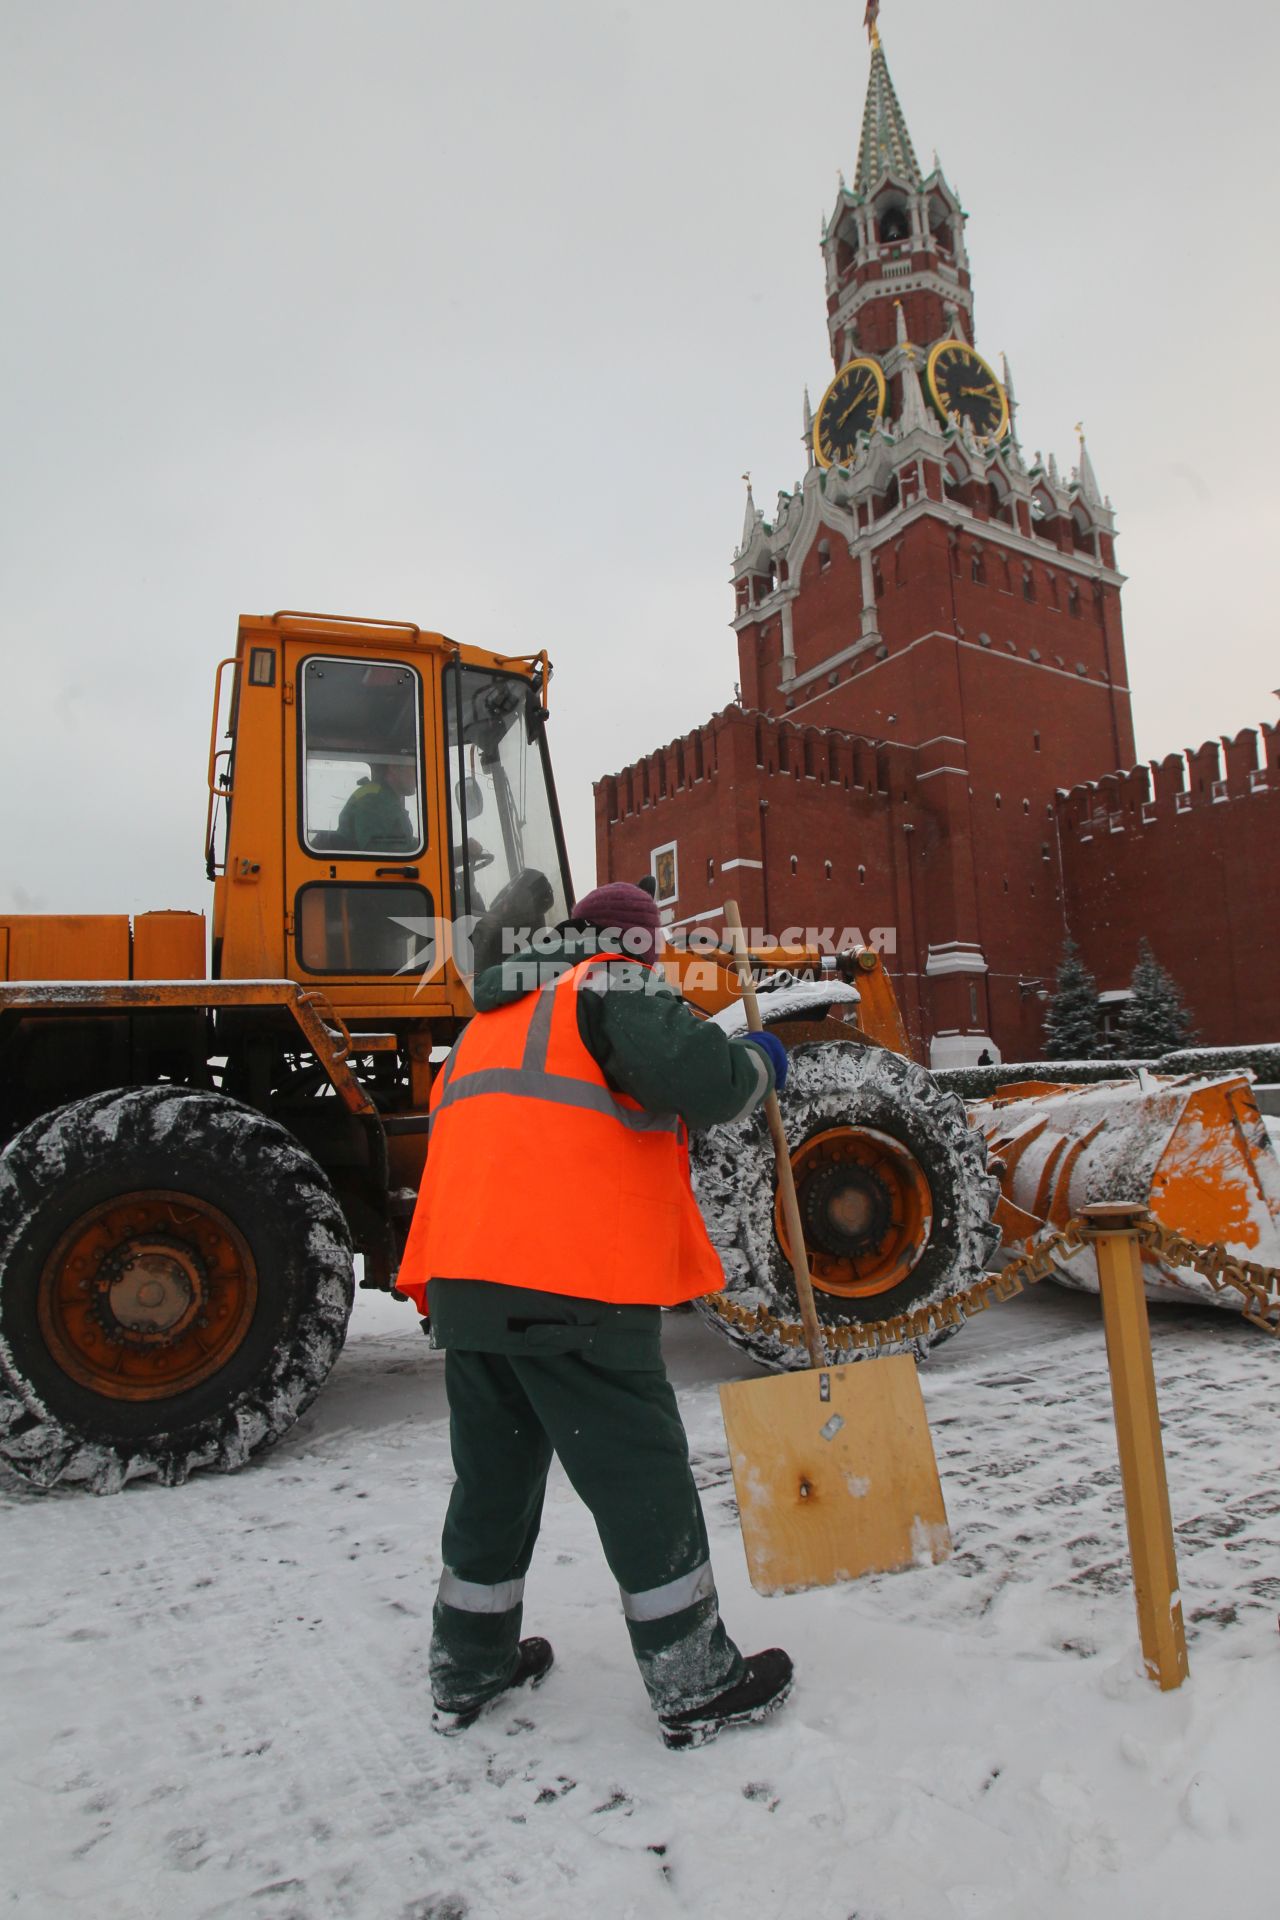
470 1596
656 1603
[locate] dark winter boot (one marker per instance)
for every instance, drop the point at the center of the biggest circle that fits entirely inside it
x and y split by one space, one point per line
533 1664
763 1688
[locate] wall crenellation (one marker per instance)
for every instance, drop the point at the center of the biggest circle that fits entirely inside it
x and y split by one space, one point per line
783 749
1241 766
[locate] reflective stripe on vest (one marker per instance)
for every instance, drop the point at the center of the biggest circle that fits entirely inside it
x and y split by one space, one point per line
531 1081
470 1596
656 1603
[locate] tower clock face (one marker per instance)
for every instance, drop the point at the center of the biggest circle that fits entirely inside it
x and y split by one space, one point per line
851 405
961 382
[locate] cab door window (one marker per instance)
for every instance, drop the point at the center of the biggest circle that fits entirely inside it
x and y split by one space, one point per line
361 723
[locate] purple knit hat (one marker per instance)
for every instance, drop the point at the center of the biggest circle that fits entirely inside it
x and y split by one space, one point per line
628 913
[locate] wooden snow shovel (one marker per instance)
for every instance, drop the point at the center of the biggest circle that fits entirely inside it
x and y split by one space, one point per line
833 1467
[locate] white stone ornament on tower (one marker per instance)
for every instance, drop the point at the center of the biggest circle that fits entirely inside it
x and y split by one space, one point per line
751 519
915 416
1086 478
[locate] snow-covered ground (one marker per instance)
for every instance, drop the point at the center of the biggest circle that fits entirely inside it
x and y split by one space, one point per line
216 1705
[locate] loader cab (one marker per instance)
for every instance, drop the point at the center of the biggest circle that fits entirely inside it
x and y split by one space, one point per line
382 814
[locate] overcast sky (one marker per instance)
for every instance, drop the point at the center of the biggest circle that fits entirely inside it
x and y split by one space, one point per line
474 315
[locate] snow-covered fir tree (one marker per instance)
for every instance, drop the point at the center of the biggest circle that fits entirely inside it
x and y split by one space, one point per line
1073 1019
1156 1019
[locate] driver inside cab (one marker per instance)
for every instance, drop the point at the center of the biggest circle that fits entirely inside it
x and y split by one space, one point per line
375 818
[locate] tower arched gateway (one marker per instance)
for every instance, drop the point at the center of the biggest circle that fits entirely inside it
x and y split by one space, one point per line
929 648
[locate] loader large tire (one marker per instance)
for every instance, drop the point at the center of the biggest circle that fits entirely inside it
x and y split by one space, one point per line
176 1279
866 1103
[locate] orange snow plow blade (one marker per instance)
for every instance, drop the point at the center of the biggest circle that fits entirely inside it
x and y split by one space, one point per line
1194 1151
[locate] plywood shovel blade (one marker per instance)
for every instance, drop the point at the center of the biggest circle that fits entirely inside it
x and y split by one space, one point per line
835 1474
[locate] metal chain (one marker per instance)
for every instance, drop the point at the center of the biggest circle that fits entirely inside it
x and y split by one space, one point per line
1259 1285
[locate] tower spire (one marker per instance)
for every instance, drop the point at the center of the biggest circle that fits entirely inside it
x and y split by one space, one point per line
750 518
1086 478
885 146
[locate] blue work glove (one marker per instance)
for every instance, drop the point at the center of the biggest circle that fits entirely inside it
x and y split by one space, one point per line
775 1053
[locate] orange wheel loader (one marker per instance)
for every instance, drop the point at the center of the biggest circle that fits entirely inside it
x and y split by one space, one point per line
195 1147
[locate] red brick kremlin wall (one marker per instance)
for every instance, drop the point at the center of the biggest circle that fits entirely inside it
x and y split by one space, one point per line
1187 852
816 827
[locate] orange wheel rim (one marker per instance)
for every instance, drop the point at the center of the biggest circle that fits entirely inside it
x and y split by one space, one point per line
866 1207
147 1295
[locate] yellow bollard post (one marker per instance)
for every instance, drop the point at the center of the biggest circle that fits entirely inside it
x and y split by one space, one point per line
1112 1228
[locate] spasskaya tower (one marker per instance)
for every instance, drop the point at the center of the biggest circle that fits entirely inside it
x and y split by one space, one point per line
929 647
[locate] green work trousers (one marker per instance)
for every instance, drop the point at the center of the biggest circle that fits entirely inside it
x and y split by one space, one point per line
618 1434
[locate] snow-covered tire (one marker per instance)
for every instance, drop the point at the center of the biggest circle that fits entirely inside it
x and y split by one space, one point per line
176 1278
830 1086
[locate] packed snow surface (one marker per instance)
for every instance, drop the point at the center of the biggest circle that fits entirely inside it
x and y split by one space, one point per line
216 1704
790 1000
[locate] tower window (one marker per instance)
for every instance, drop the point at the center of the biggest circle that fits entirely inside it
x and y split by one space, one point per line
1035 742
795 864
997 800
894 224
824 555
1028 584
977 568
827 868
862 876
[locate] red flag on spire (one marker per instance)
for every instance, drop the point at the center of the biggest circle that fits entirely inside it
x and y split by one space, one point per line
870 17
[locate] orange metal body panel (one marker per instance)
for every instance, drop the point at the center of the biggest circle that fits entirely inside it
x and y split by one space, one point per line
1217 1178
324 1030
710 981
1194 1152
878 1013
168 946
67 946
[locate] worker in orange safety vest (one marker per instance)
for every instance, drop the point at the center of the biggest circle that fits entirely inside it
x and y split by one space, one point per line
555 1220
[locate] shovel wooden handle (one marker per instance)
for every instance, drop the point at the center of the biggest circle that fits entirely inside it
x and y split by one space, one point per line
781 1152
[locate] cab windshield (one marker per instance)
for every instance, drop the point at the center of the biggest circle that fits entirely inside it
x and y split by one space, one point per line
509 868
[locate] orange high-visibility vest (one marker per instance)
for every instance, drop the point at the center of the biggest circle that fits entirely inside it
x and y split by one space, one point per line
539 1175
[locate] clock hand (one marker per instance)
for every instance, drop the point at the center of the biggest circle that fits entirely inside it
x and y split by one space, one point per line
980 393
853 405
